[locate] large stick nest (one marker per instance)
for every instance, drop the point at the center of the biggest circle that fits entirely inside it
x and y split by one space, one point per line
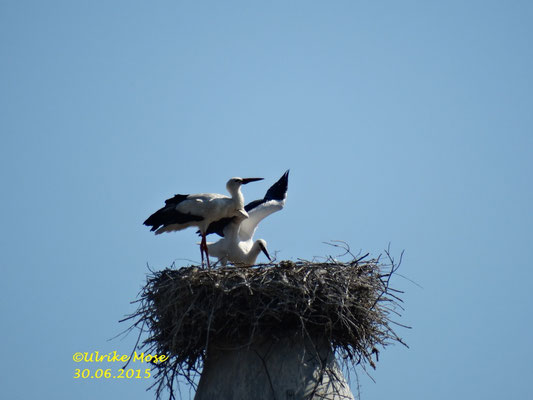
188 309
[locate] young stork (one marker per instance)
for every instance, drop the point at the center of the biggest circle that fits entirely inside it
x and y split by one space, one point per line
200 210
237 245
232 249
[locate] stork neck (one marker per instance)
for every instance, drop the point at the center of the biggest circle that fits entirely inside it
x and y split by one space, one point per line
254 253
237 197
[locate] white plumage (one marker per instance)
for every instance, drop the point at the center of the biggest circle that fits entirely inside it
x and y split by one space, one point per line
232 249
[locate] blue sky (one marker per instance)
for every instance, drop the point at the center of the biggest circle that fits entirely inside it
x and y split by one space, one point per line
402 122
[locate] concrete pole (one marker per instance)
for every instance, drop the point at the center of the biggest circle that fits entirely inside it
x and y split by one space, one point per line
291 368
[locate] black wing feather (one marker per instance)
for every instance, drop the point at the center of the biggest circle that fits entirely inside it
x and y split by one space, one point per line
168 215
278 191
218 226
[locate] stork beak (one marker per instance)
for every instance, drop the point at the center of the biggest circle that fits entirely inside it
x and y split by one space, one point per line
264 250
248 180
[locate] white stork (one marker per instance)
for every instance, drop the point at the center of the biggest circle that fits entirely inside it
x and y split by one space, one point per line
231 248
237 245
185 210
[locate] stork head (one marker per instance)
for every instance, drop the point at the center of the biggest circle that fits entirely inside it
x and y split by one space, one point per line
235 183
263 246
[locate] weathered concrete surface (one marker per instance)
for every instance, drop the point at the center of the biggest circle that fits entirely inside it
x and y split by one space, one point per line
286 369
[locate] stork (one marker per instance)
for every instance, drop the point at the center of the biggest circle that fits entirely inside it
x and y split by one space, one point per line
237 245
232 249
200 210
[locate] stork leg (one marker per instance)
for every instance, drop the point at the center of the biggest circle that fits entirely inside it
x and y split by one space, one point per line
203 249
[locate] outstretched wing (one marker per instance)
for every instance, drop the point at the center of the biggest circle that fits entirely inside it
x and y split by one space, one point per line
256 215
257 210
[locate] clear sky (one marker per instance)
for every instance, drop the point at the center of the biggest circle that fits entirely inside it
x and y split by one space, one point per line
405 122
